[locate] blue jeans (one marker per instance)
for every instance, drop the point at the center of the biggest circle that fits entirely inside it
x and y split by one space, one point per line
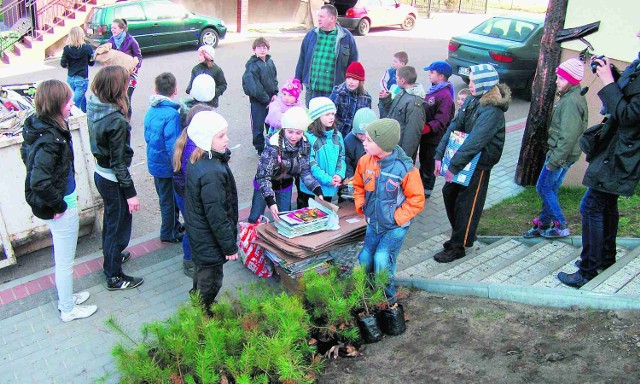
379 253
79 86
186 248
548 184
116 225
64 232
600 216
168 208
258 204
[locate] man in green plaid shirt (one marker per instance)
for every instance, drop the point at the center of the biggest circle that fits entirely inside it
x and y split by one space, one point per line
325 54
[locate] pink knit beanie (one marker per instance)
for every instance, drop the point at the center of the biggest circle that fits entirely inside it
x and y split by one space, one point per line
293 87
571 70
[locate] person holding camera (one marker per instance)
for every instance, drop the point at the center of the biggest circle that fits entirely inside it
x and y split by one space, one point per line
614 168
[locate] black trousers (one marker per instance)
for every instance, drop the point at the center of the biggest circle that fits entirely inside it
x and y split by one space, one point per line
426 154
464 207
258 115
207 280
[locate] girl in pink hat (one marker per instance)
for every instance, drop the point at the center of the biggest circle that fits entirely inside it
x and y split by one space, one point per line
289 97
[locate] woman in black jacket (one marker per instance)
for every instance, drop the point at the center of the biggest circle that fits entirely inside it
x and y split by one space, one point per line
50 187
110 139
211 204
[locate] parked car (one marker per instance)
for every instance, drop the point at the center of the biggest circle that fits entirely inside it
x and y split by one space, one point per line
361 15
155 24
511 44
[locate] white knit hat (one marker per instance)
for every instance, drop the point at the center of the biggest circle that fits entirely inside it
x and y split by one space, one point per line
203 88
204 126
571 70
318 106
208 51
296 118
485 77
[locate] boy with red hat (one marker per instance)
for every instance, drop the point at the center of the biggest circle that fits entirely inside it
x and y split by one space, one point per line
568 121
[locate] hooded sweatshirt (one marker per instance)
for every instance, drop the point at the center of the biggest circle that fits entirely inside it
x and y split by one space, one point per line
77 60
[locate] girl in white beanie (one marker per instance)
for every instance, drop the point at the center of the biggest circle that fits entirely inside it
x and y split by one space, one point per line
211 204
285 156
206 65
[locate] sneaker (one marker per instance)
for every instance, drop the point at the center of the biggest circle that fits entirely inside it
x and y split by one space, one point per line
123 282
189 268
126 255
80 297
575 279
557 230
536 230
78 312
449 255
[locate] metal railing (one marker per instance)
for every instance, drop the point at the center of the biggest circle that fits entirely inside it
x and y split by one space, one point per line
17 20
426 7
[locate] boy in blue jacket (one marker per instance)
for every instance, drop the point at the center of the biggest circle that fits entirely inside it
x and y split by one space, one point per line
161 129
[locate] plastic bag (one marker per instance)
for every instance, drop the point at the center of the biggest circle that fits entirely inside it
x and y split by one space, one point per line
392 320
369 329
252 254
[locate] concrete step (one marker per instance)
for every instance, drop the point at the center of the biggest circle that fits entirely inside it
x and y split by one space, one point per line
618 276
531 261
551 281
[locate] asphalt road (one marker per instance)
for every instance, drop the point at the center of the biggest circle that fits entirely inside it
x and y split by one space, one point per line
376 51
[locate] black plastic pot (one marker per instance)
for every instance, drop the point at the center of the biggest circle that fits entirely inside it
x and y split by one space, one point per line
392 321
369 329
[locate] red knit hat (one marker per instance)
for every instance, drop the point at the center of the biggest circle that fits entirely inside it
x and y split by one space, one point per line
355 70
571 70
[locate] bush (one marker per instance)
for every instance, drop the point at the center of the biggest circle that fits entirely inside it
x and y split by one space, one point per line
260 337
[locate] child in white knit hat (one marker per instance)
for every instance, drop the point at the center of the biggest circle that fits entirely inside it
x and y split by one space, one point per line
206 65
568 121
211 204
285 156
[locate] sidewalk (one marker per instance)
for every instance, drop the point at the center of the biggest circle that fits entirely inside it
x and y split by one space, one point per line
37 347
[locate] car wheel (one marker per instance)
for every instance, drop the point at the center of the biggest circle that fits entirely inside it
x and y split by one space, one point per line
209 36
409 23
363 27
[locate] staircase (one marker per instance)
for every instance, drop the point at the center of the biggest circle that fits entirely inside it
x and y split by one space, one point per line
51 22
523 270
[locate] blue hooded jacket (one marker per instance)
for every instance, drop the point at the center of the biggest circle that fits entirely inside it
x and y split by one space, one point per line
161 129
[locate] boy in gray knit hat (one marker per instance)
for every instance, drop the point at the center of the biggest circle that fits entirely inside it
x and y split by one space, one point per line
481 117
388 191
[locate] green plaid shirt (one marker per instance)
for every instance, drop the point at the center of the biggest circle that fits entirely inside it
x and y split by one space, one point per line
323 66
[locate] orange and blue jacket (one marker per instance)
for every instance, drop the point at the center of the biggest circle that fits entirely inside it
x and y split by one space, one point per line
388 191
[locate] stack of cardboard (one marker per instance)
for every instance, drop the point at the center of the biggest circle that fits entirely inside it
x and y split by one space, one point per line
295 256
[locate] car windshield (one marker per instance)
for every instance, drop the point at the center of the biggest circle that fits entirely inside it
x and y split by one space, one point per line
508 29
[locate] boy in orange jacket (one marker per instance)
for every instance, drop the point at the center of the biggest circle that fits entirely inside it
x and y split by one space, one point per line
388 191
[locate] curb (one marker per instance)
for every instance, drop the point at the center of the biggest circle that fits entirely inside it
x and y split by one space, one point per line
548 297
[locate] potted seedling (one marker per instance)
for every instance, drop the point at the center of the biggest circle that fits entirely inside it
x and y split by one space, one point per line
369 295
390 316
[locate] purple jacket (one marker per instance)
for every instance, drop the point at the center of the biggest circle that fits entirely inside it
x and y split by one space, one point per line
180 177
439 110
276 109
130 47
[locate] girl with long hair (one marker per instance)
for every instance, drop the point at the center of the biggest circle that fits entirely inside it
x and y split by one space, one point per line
110 138
124 42
77 56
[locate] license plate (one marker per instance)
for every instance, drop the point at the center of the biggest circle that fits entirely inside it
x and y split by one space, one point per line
463 71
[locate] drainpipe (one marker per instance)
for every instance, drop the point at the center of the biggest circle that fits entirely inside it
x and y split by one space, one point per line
242 15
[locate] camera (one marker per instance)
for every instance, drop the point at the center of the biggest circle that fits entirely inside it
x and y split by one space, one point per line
594 67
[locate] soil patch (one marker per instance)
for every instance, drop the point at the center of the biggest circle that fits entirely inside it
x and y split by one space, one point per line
456 339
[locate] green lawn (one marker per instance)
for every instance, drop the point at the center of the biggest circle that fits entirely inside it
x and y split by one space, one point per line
513 216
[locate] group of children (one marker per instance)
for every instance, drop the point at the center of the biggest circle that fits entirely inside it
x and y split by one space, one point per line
338 141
